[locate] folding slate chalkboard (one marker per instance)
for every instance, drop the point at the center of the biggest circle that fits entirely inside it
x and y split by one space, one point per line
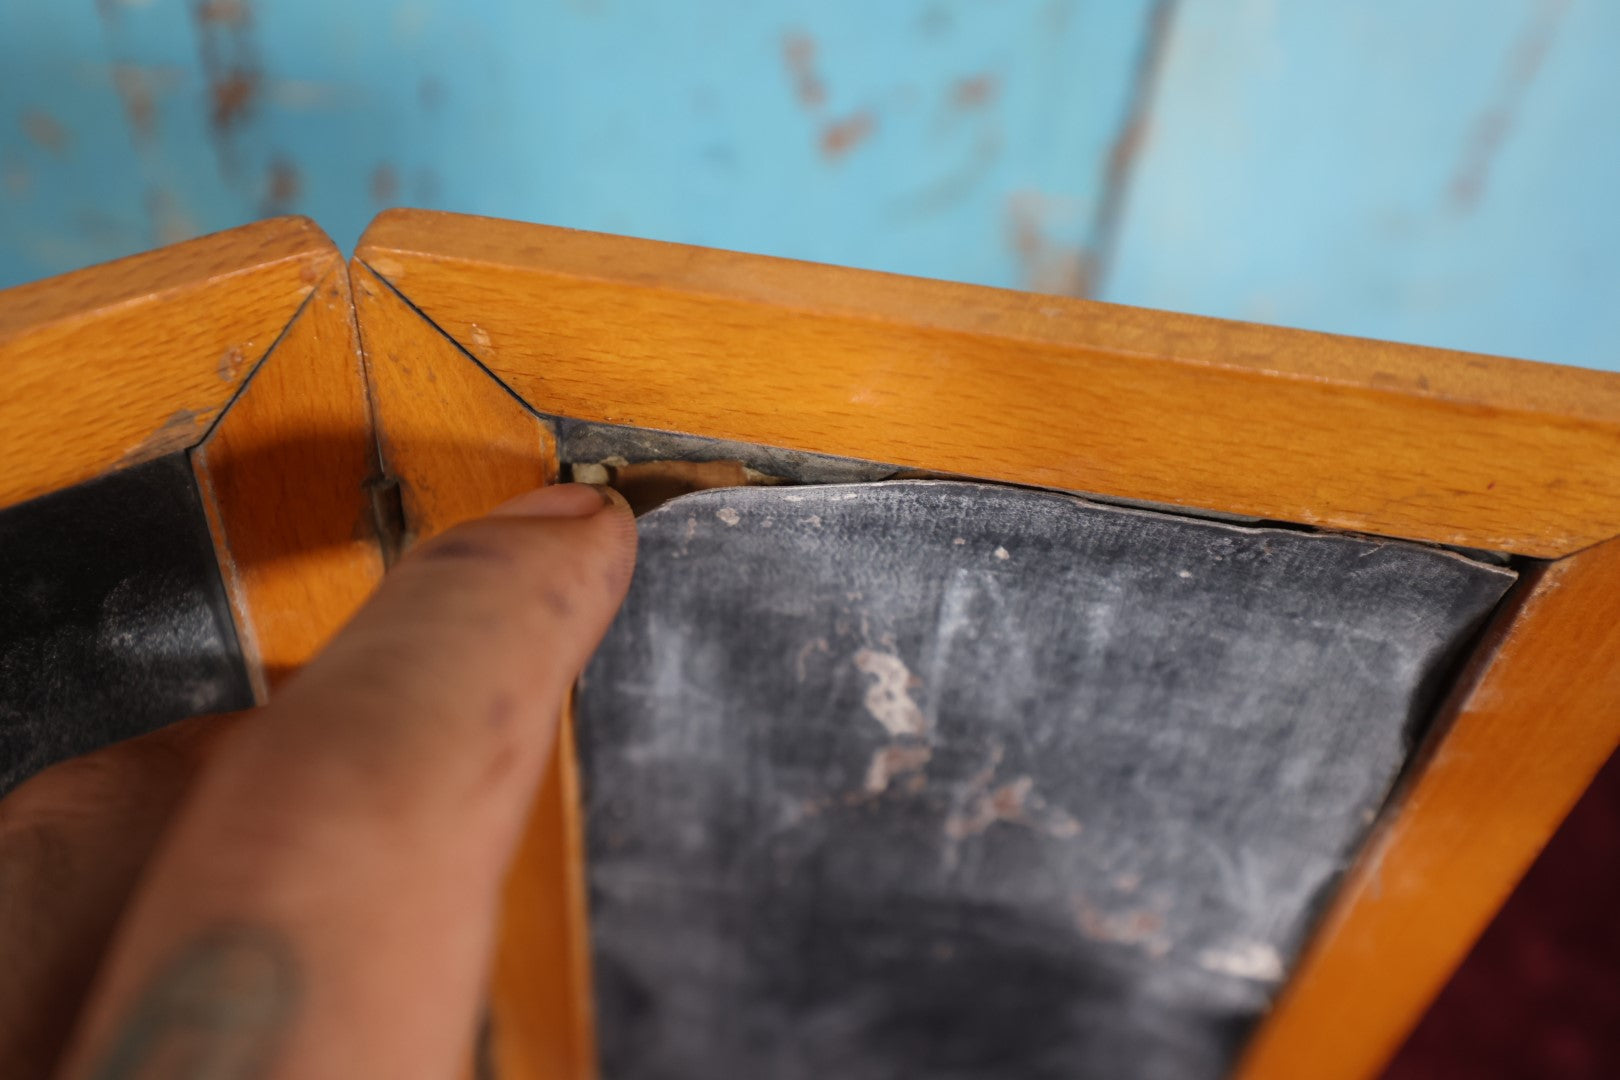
479 333
1204 685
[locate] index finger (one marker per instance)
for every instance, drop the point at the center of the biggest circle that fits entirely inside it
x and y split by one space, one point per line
324 904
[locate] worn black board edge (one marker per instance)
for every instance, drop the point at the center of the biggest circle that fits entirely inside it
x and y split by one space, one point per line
114 619
582 442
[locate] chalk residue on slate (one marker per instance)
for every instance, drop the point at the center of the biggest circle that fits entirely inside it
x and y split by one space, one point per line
1142 928
896 760
888 699
1245 960
865 798
983 802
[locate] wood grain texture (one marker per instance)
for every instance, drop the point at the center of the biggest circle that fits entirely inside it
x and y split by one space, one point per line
459 444
456 441
285 477
120 363
1530 727
1322 430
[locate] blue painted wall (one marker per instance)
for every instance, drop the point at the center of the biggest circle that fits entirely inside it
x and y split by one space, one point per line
1441 172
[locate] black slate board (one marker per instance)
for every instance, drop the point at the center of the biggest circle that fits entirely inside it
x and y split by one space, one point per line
929 779
113 619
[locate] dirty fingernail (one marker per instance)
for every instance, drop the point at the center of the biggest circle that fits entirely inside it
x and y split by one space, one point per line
559 501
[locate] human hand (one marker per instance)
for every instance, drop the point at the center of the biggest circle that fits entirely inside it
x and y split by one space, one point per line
310 889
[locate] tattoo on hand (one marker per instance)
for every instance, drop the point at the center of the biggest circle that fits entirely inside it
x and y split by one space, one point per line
217 1011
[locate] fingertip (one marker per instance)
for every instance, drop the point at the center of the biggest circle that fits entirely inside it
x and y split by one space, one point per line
559 501
620 520
586 501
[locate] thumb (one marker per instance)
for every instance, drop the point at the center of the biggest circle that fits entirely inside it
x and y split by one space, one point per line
325 903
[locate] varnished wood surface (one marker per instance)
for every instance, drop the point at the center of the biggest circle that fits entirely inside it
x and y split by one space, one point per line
456 441
1322 430
120 363
1530 726
459 444
285 478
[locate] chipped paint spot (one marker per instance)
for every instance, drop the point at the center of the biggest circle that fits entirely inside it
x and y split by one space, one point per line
1244 960
799 53
45 131
384 184
138 88
974 92
895 760
1491 129
232 98
230 68
728 515
228 12
479 336
1048 265
283 185
1087 265
888 699
842 136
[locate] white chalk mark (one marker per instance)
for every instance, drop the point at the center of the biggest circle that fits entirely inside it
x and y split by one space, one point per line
1244 960
888 699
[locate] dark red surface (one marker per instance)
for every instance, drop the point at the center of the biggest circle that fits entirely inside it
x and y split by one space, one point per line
1539 997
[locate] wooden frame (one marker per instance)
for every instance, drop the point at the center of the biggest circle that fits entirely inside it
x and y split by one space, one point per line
242 349
239 348
467 321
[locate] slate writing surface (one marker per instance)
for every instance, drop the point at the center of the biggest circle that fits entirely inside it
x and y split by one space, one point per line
113 618
934 779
